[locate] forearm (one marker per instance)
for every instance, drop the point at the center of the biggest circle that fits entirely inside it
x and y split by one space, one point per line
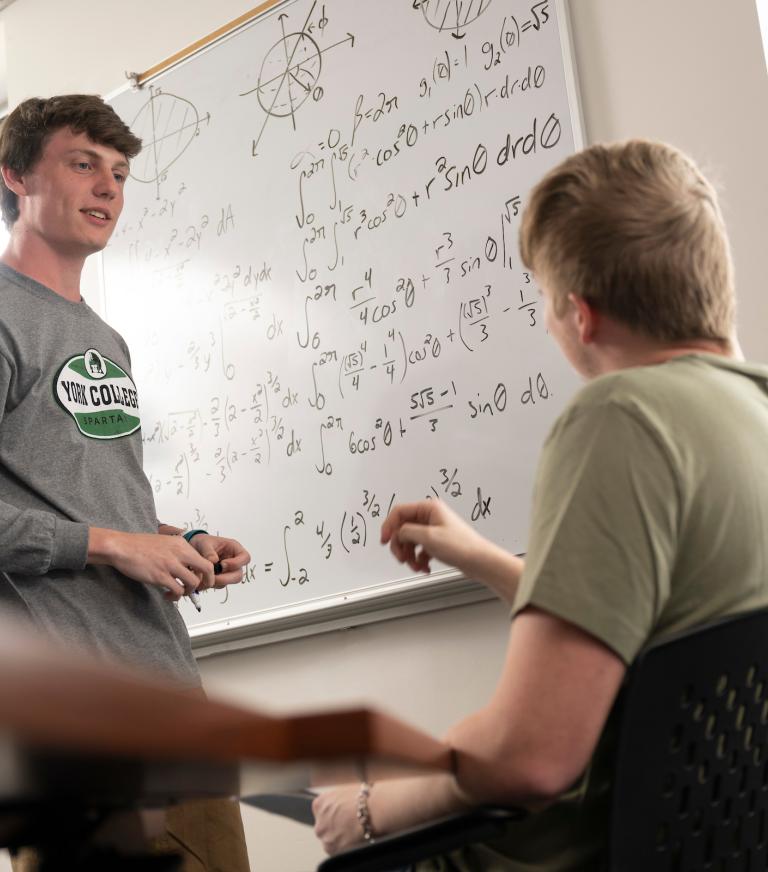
103 545
34 542
496 568
394 805
406 802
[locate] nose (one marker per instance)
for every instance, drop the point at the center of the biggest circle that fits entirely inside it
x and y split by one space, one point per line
105 184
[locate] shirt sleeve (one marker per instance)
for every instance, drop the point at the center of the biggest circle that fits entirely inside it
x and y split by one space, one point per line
604 528
33 542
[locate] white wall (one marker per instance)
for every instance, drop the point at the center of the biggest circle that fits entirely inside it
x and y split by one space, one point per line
762 11
690 72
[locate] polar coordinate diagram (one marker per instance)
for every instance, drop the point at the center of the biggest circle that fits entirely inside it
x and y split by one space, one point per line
290 73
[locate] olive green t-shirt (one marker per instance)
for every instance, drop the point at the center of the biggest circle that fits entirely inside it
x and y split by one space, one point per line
650 514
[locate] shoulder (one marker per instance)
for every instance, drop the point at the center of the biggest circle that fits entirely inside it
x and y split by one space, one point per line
697 400
633 384
629 411
626 393
666 390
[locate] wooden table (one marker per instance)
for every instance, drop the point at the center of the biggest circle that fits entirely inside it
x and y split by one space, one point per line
78 737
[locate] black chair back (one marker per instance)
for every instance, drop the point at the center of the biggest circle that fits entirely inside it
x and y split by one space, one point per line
690 788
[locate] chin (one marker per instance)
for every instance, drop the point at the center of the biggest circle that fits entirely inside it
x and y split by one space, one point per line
95 246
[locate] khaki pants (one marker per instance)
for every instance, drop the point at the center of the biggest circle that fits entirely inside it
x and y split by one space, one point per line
208 834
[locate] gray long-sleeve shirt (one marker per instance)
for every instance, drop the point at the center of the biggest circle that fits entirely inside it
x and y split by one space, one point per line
71 458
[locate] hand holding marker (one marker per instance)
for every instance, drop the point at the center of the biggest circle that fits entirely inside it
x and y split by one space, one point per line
193 595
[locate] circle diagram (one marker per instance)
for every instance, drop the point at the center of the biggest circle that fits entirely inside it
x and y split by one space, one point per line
167 125
288 74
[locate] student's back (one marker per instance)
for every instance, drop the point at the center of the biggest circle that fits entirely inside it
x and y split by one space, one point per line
660 471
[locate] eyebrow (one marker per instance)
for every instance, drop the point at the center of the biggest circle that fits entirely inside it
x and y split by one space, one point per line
122 164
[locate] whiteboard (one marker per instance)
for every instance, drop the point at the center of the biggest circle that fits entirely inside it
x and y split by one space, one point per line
317 274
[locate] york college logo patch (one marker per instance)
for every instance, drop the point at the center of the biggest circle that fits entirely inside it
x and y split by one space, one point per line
99 395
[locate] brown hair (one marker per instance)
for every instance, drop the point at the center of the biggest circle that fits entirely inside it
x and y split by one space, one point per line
634 229
28 128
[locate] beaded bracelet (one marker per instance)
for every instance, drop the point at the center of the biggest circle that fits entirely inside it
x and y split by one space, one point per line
363 812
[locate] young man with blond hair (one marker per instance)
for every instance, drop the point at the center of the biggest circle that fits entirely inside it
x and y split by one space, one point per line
81 551
648 516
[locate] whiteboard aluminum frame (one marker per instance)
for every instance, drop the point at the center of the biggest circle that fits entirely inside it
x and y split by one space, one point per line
415 595
442 590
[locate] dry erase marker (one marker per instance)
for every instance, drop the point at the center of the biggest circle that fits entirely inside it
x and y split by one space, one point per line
194 596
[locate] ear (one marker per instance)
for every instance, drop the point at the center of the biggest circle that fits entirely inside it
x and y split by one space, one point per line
13 181
587 318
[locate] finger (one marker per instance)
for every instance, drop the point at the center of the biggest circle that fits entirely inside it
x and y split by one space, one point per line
390 524
238 554
401 551
416 534
409 536
215 564
191 578
206 573
225 578
207 578
206 582
422 561
409 556
422 513
196 562
206 546
397 516
229 571
175 591
231 549
210 554
235 561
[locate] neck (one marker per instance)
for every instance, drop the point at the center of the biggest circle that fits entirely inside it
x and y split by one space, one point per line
619 347
32 257
665 352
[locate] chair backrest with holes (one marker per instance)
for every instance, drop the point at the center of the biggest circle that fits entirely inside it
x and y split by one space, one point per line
691 778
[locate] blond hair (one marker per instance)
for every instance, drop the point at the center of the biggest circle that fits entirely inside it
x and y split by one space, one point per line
634 229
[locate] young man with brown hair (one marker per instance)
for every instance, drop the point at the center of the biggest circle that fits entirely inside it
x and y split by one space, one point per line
648 515
80 545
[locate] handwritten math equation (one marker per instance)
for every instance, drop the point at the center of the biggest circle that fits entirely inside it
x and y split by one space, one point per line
320 283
